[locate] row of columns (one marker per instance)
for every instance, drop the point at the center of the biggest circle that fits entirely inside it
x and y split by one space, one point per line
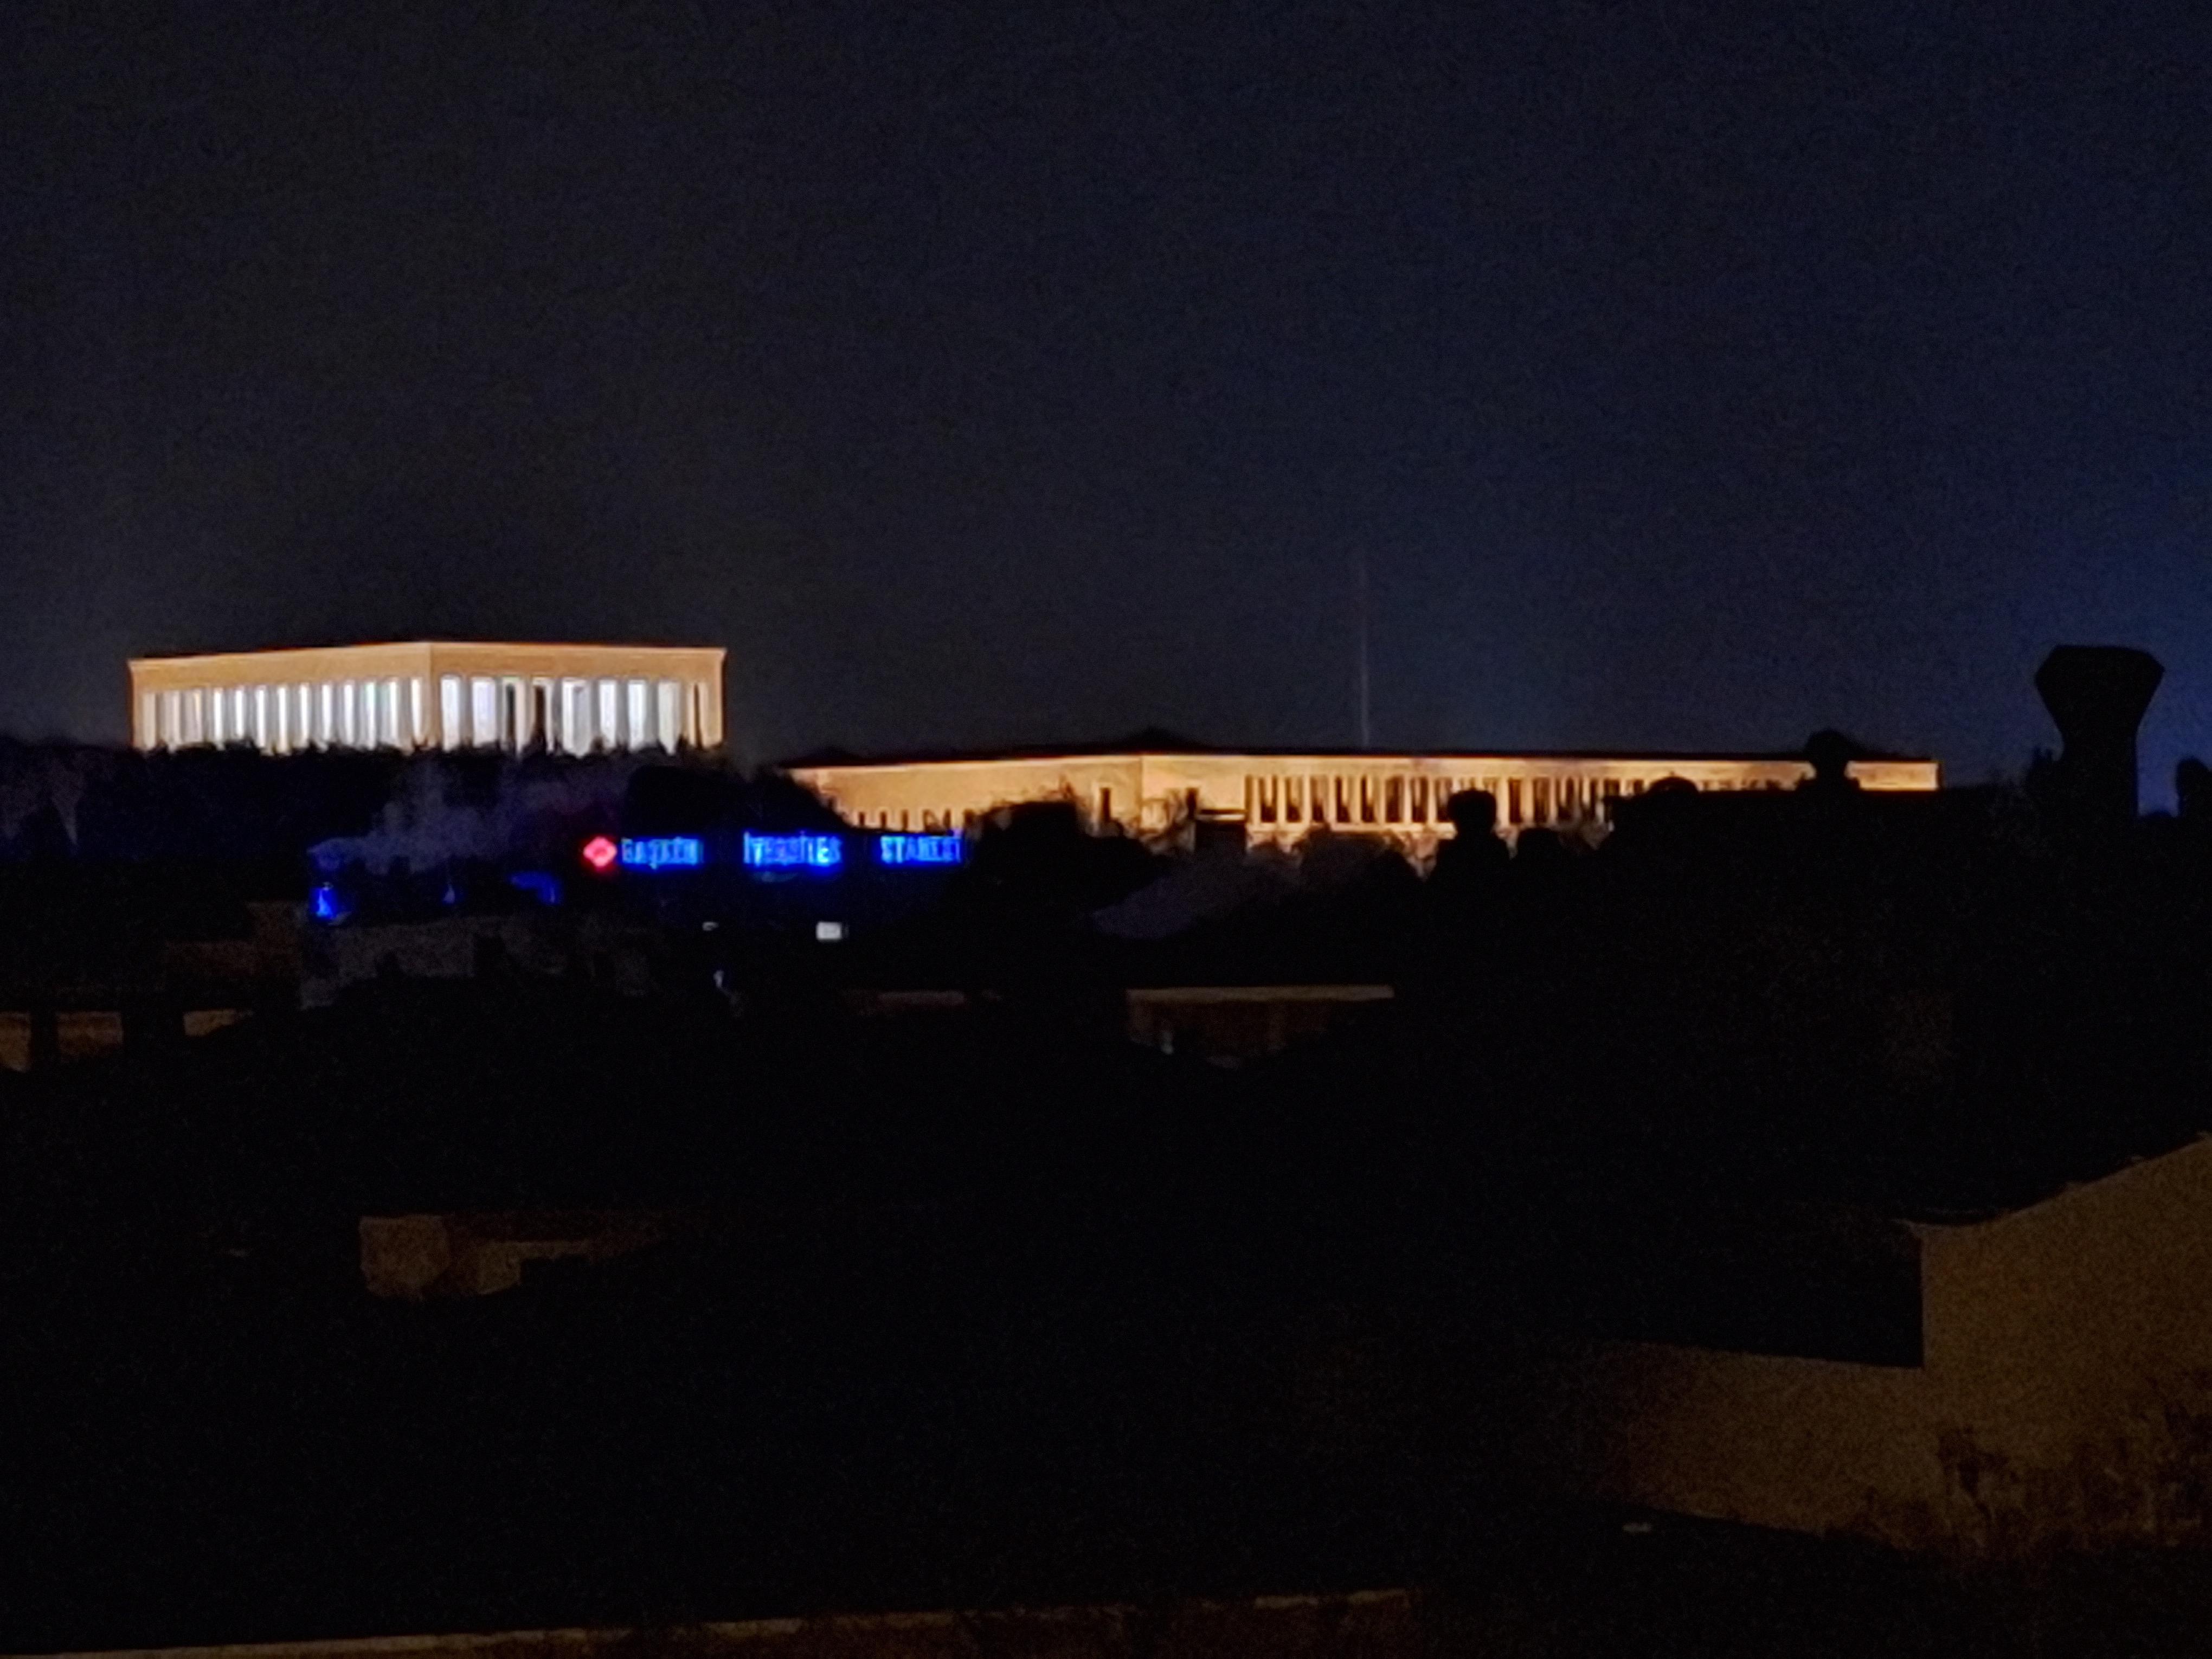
1421 800
477 711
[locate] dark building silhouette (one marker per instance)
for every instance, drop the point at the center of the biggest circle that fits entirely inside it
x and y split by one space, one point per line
2096 694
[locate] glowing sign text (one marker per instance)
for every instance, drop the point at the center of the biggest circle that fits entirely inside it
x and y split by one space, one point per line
663 852
793 852
920 849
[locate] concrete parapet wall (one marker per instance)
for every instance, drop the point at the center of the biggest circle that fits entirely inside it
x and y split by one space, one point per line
1373 1624
1802 1444
2064 1399
412 1256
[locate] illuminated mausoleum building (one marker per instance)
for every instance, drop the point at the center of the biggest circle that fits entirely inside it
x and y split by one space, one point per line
570 699
1149 786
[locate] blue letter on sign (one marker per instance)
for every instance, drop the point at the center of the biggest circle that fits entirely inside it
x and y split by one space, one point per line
663 852
920 849
793 852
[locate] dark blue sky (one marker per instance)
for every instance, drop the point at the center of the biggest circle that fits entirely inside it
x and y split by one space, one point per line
1690 376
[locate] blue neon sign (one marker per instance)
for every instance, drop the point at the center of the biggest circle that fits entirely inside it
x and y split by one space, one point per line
920 849
792 852
326 903
545 889
663 853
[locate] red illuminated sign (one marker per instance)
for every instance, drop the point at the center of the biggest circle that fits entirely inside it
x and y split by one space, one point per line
600 852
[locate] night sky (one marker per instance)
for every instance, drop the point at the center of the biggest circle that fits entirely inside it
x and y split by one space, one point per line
1688 376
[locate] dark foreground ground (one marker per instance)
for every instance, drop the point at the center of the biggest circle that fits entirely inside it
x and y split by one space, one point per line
1000 1314
810 1420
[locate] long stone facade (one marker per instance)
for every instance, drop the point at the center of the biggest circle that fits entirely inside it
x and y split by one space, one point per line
1280 797
571 699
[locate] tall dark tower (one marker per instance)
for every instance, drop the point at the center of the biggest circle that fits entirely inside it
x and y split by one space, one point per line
2096 694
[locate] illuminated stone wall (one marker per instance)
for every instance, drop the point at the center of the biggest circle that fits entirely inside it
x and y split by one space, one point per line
432 695
1281 798
2065 1396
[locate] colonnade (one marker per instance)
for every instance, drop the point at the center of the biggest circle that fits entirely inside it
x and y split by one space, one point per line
570 715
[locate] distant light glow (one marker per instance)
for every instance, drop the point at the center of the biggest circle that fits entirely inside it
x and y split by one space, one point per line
663 852
920 849
326 903
828 933
793 852
600 852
